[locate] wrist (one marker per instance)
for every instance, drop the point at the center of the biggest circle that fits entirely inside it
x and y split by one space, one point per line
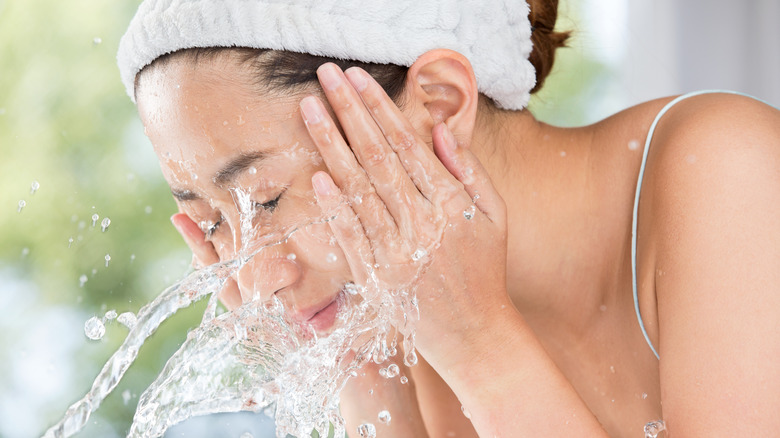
470 352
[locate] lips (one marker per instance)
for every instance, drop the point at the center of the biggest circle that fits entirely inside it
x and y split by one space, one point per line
321 317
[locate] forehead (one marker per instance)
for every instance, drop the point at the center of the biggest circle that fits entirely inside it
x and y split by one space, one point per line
203 113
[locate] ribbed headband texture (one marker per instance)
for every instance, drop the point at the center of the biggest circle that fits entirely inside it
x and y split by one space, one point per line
495 35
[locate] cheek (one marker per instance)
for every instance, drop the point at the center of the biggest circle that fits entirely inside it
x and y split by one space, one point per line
316 247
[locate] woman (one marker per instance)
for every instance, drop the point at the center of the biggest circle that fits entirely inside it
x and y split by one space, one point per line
527 317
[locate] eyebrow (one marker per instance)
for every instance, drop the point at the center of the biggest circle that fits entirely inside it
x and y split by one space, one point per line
237 166
228 173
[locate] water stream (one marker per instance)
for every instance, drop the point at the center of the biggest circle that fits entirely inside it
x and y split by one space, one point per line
255 358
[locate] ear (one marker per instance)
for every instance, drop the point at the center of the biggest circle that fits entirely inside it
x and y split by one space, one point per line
444 82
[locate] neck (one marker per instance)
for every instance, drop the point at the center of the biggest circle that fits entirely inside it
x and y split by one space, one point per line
562 256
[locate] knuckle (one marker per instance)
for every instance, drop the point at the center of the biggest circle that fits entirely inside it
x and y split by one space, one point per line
402 140
374 153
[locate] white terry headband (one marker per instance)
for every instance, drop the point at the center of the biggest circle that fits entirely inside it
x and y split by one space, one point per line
495 35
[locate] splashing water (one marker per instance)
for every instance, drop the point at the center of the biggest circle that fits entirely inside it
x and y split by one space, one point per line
384 417
34 187
104 224
95 218
94 328
367 430
256 358
127 319
653 428
21 205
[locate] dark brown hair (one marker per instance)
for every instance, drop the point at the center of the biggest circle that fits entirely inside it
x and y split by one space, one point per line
283 70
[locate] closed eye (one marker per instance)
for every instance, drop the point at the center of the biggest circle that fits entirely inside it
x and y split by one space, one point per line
271 205
210 229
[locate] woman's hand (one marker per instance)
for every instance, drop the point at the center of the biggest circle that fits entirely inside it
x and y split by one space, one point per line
389 195
398 205
204 254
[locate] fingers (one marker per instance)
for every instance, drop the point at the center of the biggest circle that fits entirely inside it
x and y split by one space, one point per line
193 236
462 164
203 254
418 160
377 221
370 145
345 226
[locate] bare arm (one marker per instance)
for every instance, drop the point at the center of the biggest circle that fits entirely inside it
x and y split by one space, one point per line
716 214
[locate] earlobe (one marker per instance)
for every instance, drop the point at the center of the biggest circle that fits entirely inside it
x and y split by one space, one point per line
444 82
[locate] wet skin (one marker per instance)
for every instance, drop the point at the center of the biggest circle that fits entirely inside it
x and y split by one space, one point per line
214 136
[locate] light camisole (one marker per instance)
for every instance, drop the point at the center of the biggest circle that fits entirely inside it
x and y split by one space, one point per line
639 189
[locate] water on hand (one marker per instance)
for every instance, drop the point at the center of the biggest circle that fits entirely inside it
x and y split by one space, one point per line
255 358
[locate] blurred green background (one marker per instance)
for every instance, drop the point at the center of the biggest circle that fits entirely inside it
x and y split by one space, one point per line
67 125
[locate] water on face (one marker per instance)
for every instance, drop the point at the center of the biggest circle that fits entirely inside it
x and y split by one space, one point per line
255 358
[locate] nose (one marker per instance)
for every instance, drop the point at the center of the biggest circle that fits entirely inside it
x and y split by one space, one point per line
265 274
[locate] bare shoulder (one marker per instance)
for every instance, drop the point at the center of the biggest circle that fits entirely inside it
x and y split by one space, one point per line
713 177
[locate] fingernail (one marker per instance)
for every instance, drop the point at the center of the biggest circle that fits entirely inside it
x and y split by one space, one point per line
329 76
312 113
322 184
357 77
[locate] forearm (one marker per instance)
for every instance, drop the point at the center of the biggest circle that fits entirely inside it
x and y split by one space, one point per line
509 385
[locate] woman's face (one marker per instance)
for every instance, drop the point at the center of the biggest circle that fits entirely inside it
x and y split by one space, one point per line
220 141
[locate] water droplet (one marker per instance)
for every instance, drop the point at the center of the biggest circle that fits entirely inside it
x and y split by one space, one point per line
633 145
252 170
21 205
82 280
367 430
104 224
420 253
392 371
404 380
97 41
465 411
291 256
70 241
384 417
246 435
331 258
34 187
111 314
469 213
132 258
126 396
94 328
653 428
127 319
563 153
383 372
95 218
411 359
25 252
644 396
148 209
353 289
108 259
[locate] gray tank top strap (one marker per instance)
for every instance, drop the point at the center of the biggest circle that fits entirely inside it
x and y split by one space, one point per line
639 189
